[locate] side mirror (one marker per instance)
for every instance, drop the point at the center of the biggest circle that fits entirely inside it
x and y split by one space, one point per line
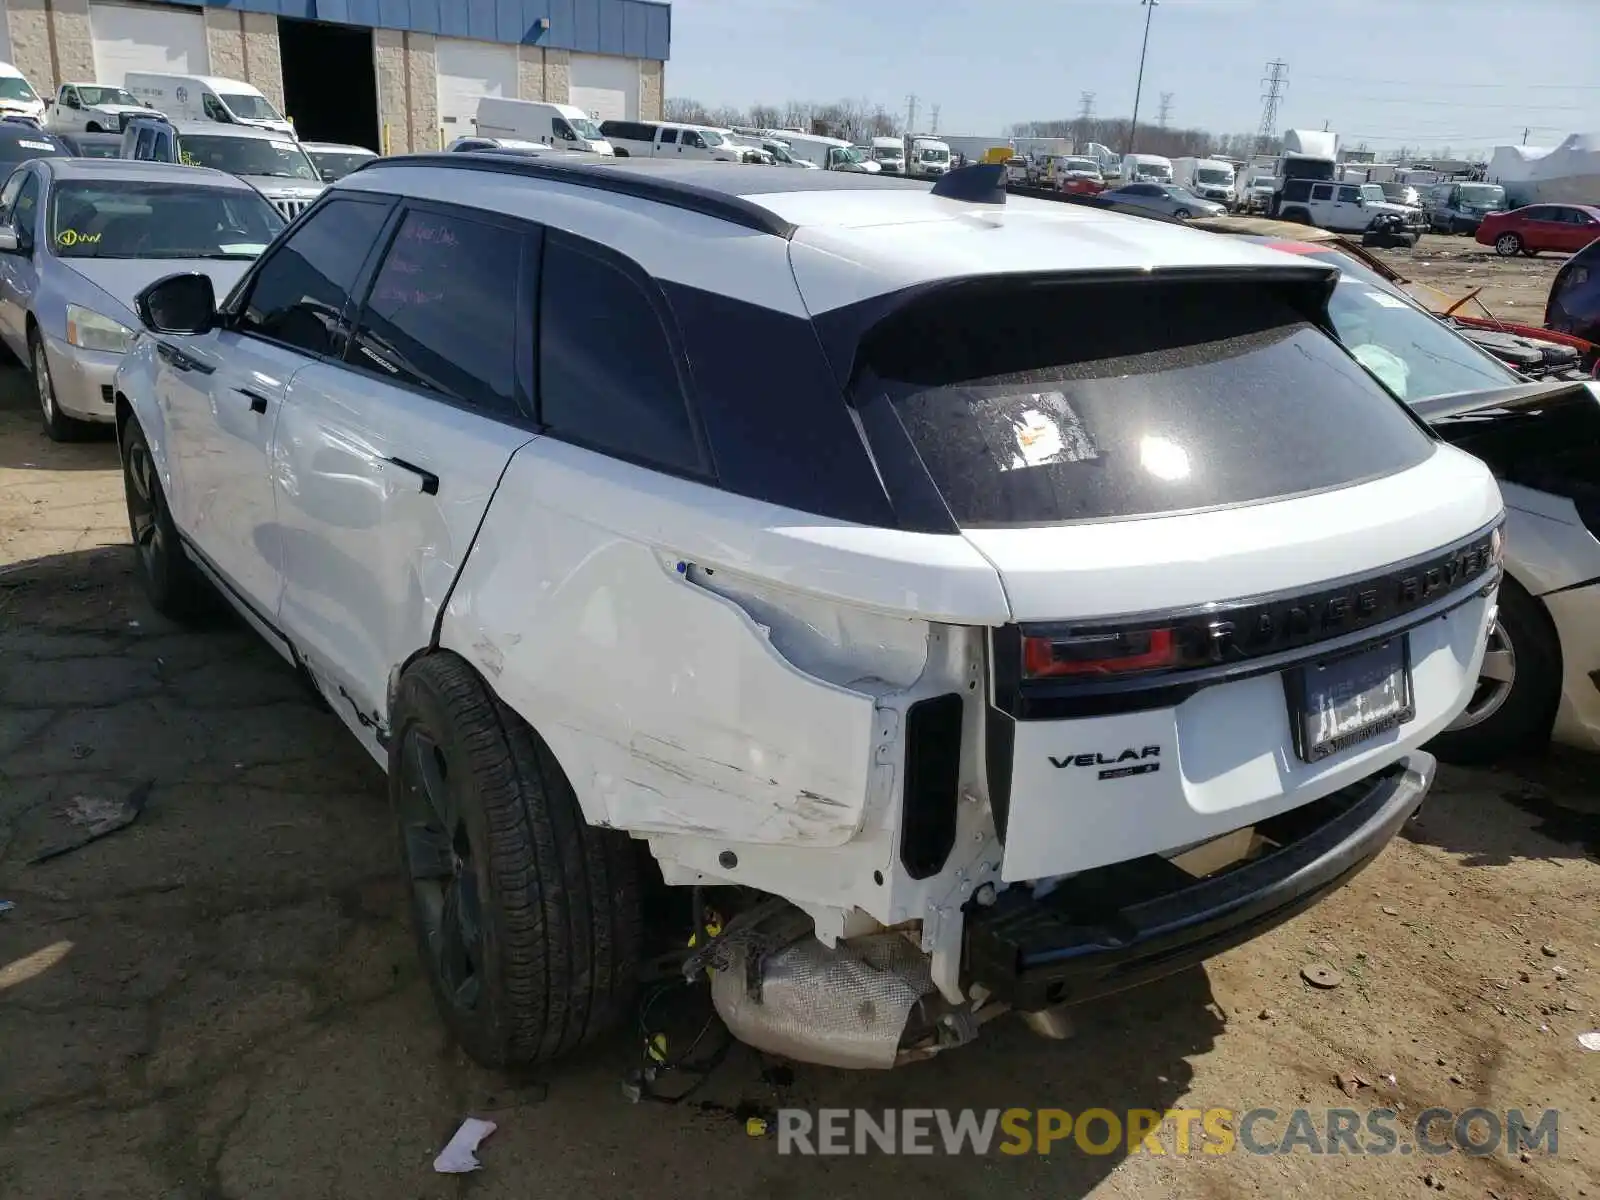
178 304
9 242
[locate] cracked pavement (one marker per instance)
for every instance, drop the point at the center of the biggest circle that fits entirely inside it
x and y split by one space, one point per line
222 1000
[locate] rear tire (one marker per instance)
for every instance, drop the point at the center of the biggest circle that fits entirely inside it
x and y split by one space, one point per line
1183 214
619 152
171 582
1508 245
1298 216
527 918
1519 687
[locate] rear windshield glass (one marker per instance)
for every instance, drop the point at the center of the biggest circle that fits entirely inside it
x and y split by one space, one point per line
1032 404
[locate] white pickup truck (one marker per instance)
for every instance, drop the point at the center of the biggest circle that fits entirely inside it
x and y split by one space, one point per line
92 108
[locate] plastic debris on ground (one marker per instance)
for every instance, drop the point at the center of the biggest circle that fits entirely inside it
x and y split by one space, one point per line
98 818
1321 975
1590 1041
459 1155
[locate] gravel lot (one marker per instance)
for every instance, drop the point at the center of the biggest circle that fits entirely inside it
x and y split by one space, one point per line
221 1001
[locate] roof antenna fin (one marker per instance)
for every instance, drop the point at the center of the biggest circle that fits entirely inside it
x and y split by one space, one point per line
980 183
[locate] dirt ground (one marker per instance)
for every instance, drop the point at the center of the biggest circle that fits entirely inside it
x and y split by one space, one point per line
221 999
1513 288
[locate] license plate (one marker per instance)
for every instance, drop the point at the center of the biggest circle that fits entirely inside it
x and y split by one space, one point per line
1342 701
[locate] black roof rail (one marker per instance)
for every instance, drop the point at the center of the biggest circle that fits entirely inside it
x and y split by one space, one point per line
619 177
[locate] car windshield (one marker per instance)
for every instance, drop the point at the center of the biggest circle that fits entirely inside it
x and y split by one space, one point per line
136 219
107 95
1084 165
1483 195
712 137
585 128
250 108
929 154
888 153
276 157
1372 192
336 164
850 154
1213 175
1411 352
14 87
33 145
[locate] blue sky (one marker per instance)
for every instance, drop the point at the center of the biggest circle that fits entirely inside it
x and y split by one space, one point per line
1426 73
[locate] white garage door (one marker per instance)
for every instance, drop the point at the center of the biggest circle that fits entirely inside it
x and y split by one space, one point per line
146 38
467 72
606 87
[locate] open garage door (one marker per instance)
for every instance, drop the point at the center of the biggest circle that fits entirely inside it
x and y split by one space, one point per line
468 71
146 38
606 87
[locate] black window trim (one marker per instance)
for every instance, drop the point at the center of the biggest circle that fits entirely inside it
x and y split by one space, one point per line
531 237
232 307
662 308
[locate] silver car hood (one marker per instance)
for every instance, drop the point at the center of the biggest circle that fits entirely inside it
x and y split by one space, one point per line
125 278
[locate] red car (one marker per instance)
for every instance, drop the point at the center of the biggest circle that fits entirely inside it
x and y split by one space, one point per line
1564 227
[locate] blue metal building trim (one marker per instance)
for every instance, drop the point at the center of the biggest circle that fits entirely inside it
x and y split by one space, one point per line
632 28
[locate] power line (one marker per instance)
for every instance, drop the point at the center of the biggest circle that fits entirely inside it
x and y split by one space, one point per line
1454 84
1276 81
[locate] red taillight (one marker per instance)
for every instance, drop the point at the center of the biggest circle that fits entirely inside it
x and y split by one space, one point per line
1112 653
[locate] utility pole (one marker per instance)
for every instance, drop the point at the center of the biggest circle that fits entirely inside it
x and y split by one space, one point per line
1275 81
1133 125
1525 132
911 114
1325 123
1165 109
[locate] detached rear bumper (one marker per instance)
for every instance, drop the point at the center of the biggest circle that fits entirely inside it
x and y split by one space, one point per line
1120 926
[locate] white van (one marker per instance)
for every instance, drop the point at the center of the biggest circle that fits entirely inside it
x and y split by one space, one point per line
890 154
560 125
667 139
1146 168
1208 178
207 98
930 158
17 97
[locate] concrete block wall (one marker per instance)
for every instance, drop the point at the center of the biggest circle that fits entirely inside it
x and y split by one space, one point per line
244 46
32 48
652 89
73 45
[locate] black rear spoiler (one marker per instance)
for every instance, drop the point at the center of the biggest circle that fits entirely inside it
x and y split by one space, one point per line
1512 398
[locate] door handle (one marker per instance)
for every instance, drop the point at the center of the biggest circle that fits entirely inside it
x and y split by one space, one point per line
258 402
428 480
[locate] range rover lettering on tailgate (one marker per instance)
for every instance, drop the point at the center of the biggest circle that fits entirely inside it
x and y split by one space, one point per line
1064 545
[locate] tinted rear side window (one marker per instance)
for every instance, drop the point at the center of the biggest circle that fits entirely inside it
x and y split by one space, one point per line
1031 404
608 371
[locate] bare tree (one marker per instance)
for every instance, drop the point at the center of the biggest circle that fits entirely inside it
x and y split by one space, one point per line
681 108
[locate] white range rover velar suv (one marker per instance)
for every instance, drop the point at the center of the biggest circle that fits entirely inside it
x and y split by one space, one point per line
954 605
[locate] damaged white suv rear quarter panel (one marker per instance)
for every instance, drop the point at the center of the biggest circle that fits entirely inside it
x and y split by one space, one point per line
668 704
